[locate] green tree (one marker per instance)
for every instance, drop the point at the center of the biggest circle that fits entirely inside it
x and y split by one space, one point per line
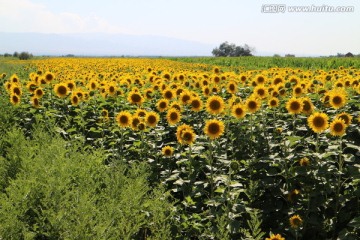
231 50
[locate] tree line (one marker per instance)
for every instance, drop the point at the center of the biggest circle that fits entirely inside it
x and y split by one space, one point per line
21 55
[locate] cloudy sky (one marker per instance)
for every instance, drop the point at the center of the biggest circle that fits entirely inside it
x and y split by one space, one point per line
205 21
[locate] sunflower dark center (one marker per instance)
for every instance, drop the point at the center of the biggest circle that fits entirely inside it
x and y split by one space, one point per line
252 105
151 119
174 116
62 90
337 100
319 122
214 128
135 97
215 105
338 127
295 106
124 119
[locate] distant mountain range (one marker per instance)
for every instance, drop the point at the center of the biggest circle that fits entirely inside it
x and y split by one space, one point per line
99 44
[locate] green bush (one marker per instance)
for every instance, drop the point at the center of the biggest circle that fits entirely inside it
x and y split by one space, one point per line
53 189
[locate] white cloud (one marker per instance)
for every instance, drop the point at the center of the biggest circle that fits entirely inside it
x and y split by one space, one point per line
26 16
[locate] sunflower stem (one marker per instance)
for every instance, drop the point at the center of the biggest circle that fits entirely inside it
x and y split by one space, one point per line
211 170
338 187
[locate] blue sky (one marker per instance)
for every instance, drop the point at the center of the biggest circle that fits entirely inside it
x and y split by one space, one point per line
205 21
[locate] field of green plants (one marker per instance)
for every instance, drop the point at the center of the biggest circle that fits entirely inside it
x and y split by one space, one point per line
190 148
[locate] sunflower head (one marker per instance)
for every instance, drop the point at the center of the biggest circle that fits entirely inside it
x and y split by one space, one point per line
173 116
337 99
196 104
318 122
214 128
338 127
15 99
167 151
124 119
273 102
49 76
35 102
307 106
238 111
295 221
215 105
151 119
39 92
346 117
294 106
185 134
61 90
134 97
162 105
275 237
252 104
304 161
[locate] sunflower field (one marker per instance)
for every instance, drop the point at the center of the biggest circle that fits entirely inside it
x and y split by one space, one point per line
117 148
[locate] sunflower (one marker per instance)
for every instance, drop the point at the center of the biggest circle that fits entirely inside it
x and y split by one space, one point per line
346 117
185 134
176 105
35 102
206 90
124 119
277 81
14 79
293 195
167 151
238 110
16 90
231 87
39 92
260 79
318 122
275 237
168 94
61 90
93 85
151 119
252 104
196 104
294 106
141 113
74 100
71 85
104 114
273 102
49 77
337 127
307 106
31 86
188 137
149 93
173 116
162 105
135 121
111 89
337 99
295 221
214 128
15 99
215 105
135 97
260 92
304 161
185 97
297 90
